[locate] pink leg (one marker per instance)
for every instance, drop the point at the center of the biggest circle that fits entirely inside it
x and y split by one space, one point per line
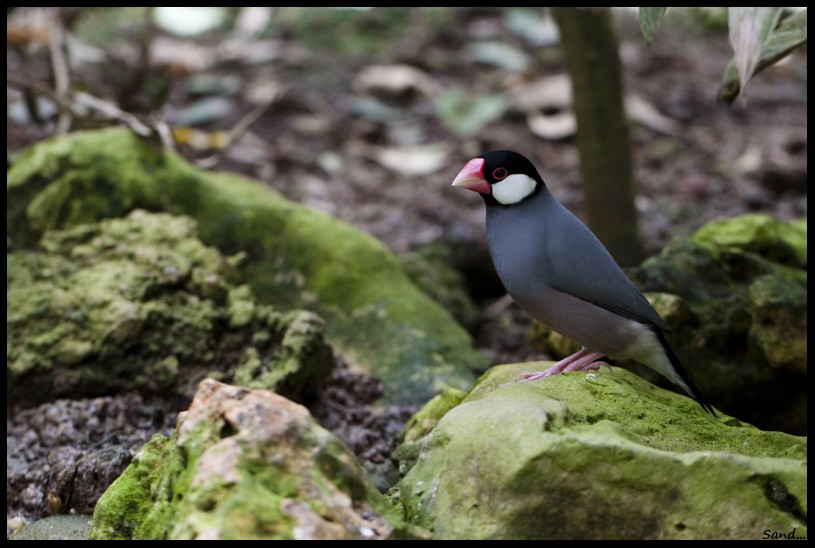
582 360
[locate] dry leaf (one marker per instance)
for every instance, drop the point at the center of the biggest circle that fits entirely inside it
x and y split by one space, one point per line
414 161
395 79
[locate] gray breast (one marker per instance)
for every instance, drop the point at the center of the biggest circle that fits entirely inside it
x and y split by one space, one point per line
556 269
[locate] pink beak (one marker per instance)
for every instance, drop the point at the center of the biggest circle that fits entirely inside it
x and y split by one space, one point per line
471 177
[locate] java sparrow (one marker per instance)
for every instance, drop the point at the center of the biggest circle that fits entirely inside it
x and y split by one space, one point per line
557 270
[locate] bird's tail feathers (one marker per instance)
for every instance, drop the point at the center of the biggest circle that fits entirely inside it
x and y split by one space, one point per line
686 383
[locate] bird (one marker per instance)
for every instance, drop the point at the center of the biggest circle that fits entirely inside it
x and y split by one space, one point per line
558 272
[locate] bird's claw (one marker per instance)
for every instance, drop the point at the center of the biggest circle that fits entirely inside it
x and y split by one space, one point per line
593 366
534 375
537 375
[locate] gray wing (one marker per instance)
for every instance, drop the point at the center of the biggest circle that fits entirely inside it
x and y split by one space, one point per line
578 264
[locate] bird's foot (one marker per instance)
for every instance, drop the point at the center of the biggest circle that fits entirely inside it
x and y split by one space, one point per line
535 376
582 360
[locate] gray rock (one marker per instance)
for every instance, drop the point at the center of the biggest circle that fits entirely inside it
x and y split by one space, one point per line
600 455
65 527
141 304
244 464
295 258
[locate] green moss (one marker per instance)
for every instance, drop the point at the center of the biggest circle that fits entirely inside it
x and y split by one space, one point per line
654 417
241 307
739 315
141 304
628 460
122 511
778 308
431 268
423 422
419 425
764 235
253 511
244 506
295 257
244 464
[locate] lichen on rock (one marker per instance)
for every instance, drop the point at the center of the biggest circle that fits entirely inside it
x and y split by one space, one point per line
600 455
295 258
245 464
141 304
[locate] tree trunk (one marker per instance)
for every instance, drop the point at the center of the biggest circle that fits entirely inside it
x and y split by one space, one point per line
590 44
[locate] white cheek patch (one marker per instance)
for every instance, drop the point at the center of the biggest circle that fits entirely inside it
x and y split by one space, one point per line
513 189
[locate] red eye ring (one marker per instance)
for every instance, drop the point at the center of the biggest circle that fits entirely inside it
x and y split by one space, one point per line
500 173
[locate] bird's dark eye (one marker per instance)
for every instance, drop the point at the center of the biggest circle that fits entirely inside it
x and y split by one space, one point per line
500 173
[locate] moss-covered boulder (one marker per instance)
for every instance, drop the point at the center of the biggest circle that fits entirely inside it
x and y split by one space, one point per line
600 455
141 304
244 464
420 424
735 295
296 257
743 282
431 268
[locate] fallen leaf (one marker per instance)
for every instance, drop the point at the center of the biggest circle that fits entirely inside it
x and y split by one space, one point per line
465 113
499 54
552 126
646 114
394 79
413 161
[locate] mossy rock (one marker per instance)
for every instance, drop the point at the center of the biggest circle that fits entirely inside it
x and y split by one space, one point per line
600 455
735 296
244 464
141 304
296 257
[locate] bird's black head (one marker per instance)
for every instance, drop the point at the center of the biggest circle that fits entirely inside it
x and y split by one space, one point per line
503 177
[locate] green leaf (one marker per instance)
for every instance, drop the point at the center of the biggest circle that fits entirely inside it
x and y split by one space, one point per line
791 33
749 28
466 114
499 54
649 19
